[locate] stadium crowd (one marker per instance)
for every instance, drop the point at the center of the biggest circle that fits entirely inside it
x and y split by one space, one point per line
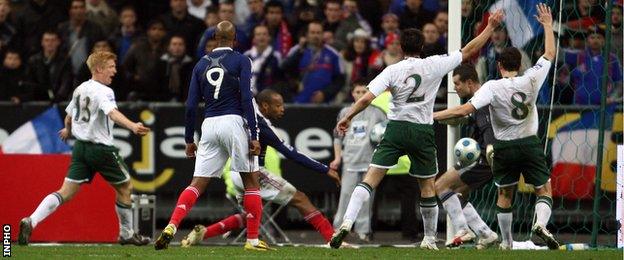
310 51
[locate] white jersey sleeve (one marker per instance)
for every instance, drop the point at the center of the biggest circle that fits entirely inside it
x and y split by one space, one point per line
381 82
538 73
483 96
107 101
70 107
443 64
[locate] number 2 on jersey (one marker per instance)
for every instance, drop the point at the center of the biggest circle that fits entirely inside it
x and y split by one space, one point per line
215 82
521 110
412 98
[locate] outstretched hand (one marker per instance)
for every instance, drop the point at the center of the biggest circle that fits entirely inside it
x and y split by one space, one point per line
496 18
544 15
334 176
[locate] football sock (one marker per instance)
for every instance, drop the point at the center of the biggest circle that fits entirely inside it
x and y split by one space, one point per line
452 205
225 225
475 222
252 202
321 224
361 194
429 212
124 214
543 209
46 207
185 203
505 218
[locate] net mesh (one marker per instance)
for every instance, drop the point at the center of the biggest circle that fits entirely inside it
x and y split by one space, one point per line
570 128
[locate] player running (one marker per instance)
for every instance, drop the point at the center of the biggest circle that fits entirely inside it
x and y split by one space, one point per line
222 80
91 114
273 188
413 83
459 180
515 123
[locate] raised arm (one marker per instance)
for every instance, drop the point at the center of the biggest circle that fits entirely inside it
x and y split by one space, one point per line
544 16
475 45
360 105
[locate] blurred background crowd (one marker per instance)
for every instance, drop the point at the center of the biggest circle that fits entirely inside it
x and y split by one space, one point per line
308 50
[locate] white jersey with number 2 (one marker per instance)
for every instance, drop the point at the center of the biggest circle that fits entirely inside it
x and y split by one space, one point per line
89 107
512 102
414 83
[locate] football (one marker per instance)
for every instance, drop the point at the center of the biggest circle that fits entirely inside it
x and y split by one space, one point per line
467 151
377 133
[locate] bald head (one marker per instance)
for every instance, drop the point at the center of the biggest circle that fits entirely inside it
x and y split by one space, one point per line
225 33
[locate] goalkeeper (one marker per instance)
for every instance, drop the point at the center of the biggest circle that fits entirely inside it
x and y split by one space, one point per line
460 179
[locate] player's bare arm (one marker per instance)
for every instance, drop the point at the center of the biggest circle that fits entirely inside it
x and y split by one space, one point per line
544 17
65 133
136 128
455 112
360 105
475 45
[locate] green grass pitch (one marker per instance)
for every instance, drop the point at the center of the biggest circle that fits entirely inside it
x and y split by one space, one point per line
72 252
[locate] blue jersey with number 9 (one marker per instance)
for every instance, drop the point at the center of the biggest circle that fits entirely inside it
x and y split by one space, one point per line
222 80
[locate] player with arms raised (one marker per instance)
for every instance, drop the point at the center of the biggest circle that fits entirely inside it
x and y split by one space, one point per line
413 83
517 149
89 116
222 80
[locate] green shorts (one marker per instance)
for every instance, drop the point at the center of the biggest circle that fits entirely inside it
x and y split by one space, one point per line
415 140
89 158
523 156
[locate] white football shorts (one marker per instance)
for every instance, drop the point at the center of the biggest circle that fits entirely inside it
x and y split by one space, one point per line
223 137
272 188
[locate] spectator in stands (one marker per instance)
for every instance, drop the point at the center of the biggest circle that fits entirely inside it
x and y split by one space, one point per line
140 63
441 22
103 15
398 6
256 9
586 70
359 60
414 15
583 15
372 11
174 71
316 68
347 23
616 30
304 14
468 16
333 15
432 44
197 8
7 30
12 76
389 24
265 61
127 32
226 13
49 72
487 63
37 17
79 34
278 27
351 9
390 55
179 21
212 16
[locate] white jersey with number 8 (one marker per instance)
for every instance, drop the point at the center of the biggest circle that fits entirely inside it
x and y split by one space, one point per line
414 83
89 107
512 102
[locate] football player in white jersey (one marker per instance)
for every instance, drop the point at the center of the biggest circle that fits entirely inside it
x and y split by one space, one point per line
90 118
413 83
517 149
